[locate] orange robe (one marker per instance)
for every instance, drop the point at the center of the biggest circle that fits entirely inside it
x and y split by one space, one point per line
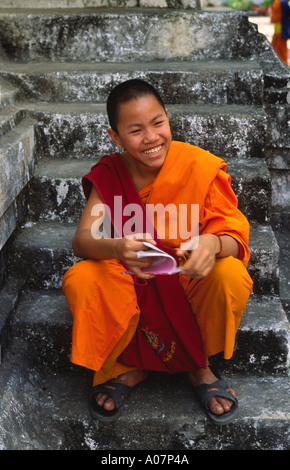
103 301
279 44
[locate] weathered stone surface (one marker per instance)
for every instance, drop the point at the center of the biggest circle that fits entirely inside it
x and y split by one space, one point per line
45 249
281 223
262 343
100 3
56 192
278 161
9 118
36 378
10 294
3 264
13 216
8 93
276 96
61 421
281 193
251 181
277 77
126 36
192 4
16 162
71 132
225 131
278 134
79 131
216 82
263 266
44 321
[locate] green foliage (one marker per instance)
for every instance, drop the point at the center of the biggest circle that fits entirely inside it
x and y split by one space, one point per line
241 5
248 5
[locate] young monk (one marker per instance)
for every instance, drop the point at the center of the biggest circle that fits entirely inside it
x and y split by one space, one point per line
128 324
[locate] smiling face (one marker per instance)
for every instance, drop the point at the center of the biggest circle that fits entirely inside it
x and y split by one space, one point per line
144 132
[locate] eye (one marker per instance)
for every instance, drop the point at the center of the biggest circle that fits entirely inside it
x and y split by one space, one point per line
159 123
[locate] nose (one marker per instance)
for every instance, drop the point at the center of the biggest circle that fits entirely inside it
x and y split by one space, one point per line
150 135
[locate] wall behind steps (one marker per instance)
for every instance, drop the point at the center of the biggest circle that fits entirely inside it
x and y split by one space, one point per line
99 3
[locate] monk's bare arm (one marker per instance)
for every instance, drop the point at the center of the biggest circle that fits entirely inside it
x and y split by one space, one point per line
228 246
86 243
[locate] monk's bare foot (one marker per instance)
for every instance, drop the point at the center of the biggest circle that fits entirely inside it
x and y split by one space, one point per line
217 405
130 378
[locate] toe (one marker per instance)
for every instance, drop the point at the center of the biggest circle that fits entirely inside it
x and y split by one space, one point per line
219 405
103 399
109 404
225 404
230 390
215 407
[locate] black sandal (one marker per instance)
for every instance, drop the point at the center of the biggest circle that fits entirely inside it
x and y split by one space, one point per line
117 391
217 389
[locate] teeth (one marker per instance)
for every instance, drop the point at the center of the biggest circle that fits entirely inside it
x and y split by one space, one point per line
153 150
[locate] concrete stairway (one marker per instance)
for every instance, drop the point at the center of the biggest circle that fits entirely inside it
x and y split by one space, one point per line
57 68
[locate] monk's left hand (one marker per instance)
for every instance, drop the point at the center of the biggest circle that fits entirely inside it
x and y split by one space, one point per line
202 259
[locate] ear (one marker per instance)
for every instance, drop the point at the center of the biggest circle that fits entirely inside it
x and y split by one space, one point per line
115 138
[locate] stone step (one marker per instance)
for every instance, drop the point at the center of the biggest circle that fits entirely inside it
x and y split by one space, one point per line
80 130
280 224
56 192
16 161
44 250
43 321
16 169
8 93
10 117
217 81
9 221
126 35
100 3
58 403
263 265
10 295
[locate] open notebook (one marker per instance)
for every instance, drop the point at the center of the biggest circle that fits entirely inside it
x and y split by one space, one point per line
162 263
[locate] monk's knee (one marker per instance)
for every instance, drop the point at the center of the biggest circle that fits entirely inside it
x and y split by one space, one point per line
91 278
79 281
231 275
78 273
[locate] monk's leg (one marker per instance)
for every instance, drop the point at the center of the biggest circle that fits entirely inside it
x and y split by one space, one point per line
218 301
105 316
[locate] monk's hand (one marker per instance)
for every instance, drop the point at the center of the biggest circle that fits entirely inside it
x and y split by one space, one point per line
127 249
202 258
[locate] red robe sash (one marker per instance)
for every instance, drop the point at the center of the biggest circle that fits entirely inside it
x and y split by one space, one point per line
167 338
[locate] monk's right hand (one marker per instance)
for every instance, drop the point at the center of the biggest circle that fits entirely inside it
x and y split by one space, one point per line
126 251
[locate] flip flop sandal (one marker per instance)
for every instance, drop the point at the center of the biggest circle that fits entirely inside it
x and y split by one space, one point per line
117 391
207 391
